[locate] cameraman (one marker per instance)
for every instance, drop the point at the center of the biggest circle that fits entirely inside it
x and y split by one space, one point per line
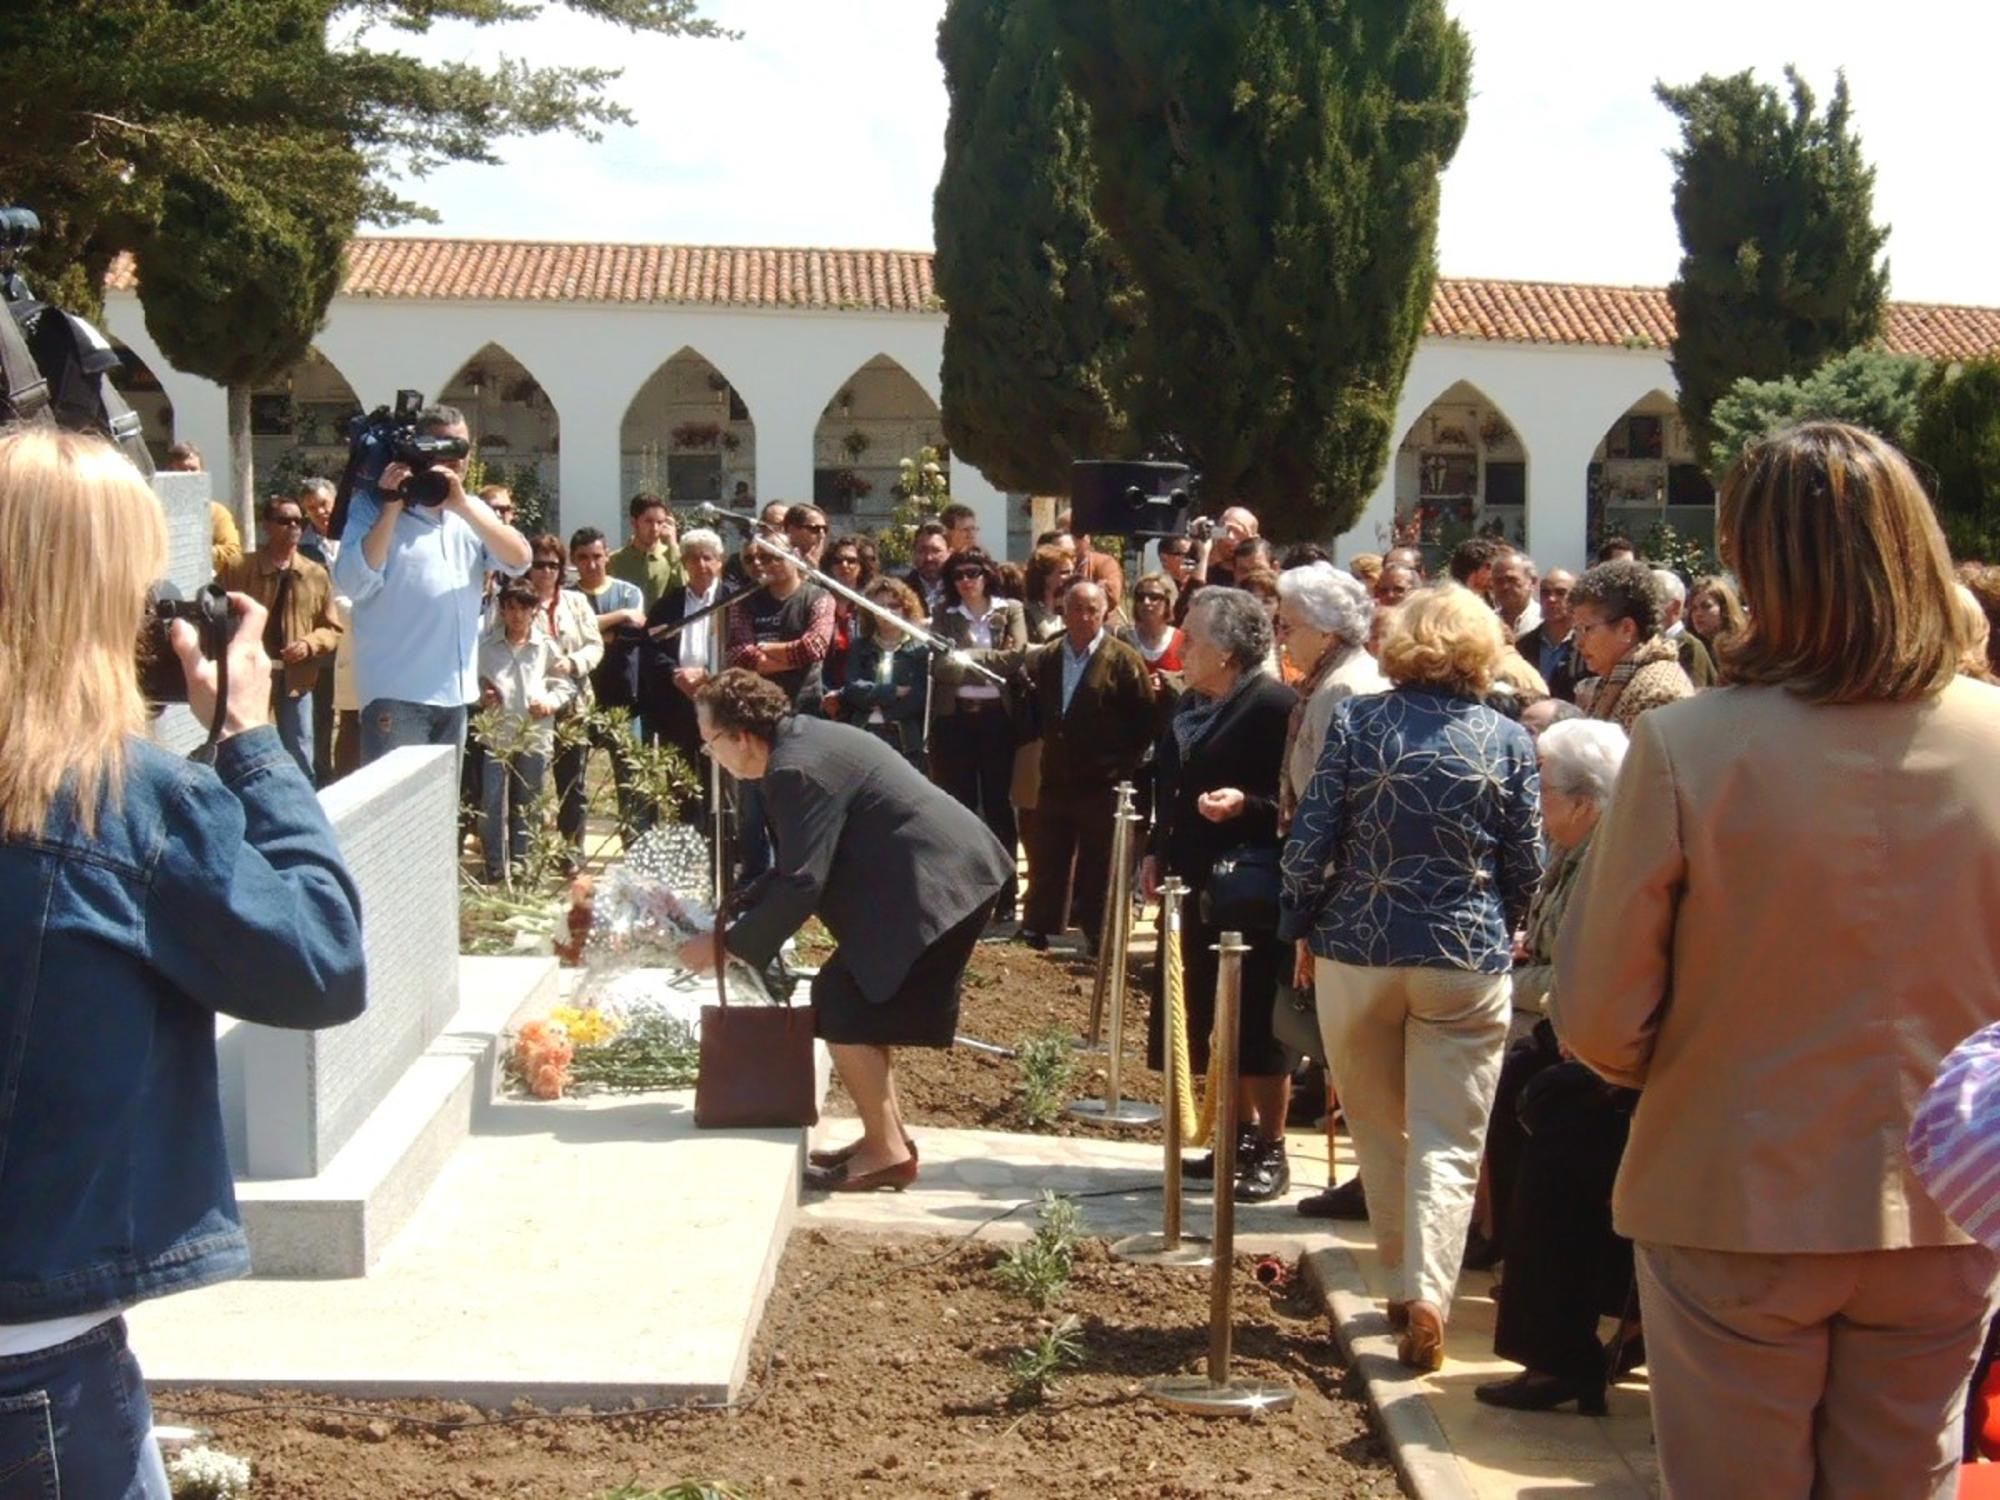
140 895
417 575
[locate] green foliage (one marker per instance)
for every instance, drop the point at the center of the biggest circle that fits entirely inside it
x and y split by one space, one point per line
237 279
527 903
922 489
1040 310
103 102
1664 547
687 1489
1956 442
1781 262
1868 387
1036 1370
1270 176
1040 1269
1048 1073
534 501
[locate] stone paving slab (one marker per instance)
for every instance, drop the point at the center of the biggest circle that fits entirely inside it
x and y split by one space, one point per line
591 1251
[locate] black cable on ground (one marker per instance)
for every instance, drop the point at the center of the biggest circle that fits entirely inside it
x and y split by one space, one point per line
663 1408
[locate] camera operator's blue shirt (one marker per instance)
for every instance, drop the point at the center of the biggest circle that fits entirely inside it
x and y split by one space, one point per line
416 620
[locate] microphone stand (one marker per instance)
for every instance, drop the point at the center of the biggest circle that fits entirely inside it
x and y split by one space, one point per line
938 644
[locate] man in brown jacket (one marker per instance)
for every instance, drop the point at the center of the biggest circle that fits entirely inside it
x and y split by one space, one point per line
1094 700
302 631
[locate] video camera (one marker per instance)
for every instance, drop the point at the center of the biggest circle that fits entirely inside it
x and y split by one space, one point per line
52 369
1138 498
388 435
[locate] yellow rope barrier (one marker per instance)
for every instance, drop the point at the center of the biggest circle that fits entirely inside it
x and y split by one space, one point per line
1197 1125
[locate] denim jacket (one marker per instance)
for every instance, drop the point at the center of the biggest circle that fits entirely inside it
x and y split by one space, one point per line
1418 840
202 891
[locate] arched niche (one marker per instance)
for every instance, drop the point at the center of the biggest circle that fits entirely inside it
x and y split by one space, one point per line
299 425
878 417
1461 470
516 431
1645 474
687 435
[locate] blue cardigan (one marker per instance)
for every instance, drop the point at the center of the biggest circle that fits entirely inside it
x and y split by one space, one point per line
1418 840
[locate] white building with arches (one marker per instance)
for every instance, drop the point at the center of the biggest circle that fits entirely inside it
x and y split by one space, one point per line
716 373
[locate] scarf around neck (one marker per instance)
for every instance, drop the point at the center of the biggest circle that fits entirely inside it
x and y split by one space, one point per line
1198 712
1612 687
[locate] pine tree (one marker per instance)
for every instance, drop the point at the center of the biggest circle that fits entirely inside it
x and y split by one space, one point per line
1040 310
235 282
1782 261
1869 387
1270 176
102 100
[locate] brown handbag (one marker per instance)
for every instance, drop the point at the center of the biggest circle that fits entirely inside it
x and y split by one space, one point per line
757 1067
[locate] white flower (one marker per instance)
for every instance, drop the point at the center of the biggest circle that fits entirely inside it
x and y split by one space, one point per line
208 1474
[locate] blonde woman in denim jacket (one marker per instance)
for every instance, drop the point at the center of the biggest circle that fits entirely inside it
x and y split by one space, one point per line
140 895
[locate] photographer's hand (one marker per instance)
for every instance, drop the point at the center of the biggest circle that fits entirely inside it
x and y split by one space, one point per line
249 704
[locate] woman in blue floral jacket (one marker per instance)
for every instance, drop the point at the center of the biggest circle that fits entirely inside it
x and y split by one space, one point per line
1414 853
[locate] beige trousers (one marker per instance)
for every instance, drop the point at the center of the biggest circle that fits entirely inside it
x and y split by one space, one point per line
1415 1054
1834 1377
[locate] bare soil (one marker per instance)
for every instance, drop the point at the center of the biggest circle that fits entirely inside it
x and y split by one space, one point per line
1012 992
881 1370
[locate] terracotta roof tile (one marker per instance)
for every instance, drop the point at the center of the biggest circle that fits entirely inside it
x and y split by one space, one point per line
1526 312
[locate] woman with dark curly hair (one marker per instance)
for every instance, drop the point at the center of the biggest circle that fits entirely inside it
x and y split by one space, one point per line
902 875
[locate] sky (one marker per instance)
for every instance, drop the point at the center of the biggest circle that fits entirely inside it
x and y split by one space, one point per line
823 126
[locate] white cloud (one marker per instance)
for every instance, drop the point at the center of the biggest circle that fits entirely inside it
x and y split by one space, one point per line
822 127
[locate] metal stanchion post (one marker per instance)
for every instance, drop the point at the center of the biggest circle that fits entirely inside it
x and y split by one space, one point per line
1116 934
1117 914
1215 1393
1170 1247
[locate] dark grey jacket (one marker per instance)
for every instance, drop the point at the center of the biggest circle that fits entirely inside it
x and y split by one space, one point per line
887 860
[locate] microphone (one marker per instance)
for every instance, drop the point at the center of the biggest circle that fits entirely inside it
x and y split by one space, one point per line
715 514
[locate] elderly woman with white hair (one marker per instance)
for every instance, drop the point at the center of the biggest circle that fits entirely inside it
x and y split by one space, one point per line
1558 1131
1323 623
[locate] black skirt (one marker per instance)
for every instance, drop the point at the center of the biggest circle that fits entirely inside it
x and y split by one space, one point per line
924 1010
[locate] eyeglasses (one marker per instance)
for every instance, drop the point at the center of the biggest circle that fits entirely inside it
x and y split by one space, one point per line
961 574
293 521
847 560
819 529
1151 598
541 563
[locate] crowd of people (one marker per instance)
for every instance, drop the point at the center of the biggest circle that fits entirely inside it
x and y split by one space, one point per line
1630 914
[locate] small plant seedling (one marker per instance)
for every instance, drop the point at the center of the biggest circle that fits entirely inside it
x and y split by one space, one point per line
1040 1269
1048 1074
687 1489
1037 1368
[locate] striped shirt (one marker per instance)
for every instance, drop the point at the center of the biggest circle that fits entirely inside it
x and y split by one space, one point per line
1954 1141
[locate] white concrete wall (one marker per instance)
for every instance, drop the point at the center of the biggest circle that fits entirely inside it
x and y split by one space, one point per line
787 365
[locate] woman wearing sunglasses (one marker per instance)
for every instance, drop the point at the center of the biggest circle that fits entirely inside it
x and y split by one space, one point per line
972 720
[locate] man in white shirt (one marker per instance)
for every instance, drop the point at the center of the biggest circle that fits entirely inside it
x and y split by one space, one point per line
1511 582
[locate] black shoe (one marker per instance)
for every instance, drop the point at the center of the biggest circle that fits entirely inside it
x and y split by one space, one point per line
1481 1254
1202 1168
1631 1355
1265 1175
1039 941
1348 1201
1529 1391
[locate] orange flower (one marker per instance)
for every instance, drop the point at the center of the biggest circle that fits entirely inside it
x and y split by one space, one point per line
547 1079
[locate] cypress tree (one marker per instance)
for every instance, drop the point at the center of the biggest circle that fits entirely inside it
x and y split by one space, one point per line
235 281
1040 310
1270 175
1956 443
1781 263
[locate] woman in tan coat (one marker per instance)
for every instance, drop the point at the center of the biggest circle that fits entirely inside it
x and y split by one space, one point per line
1786 922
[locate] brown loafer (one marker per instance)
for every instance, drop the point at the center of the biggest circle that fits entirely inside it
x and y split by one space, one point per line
1422 1345
840 1180
841 1155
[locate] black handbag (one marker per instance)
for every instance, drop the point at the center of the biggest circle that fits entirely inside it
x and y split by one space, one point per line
1242 891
